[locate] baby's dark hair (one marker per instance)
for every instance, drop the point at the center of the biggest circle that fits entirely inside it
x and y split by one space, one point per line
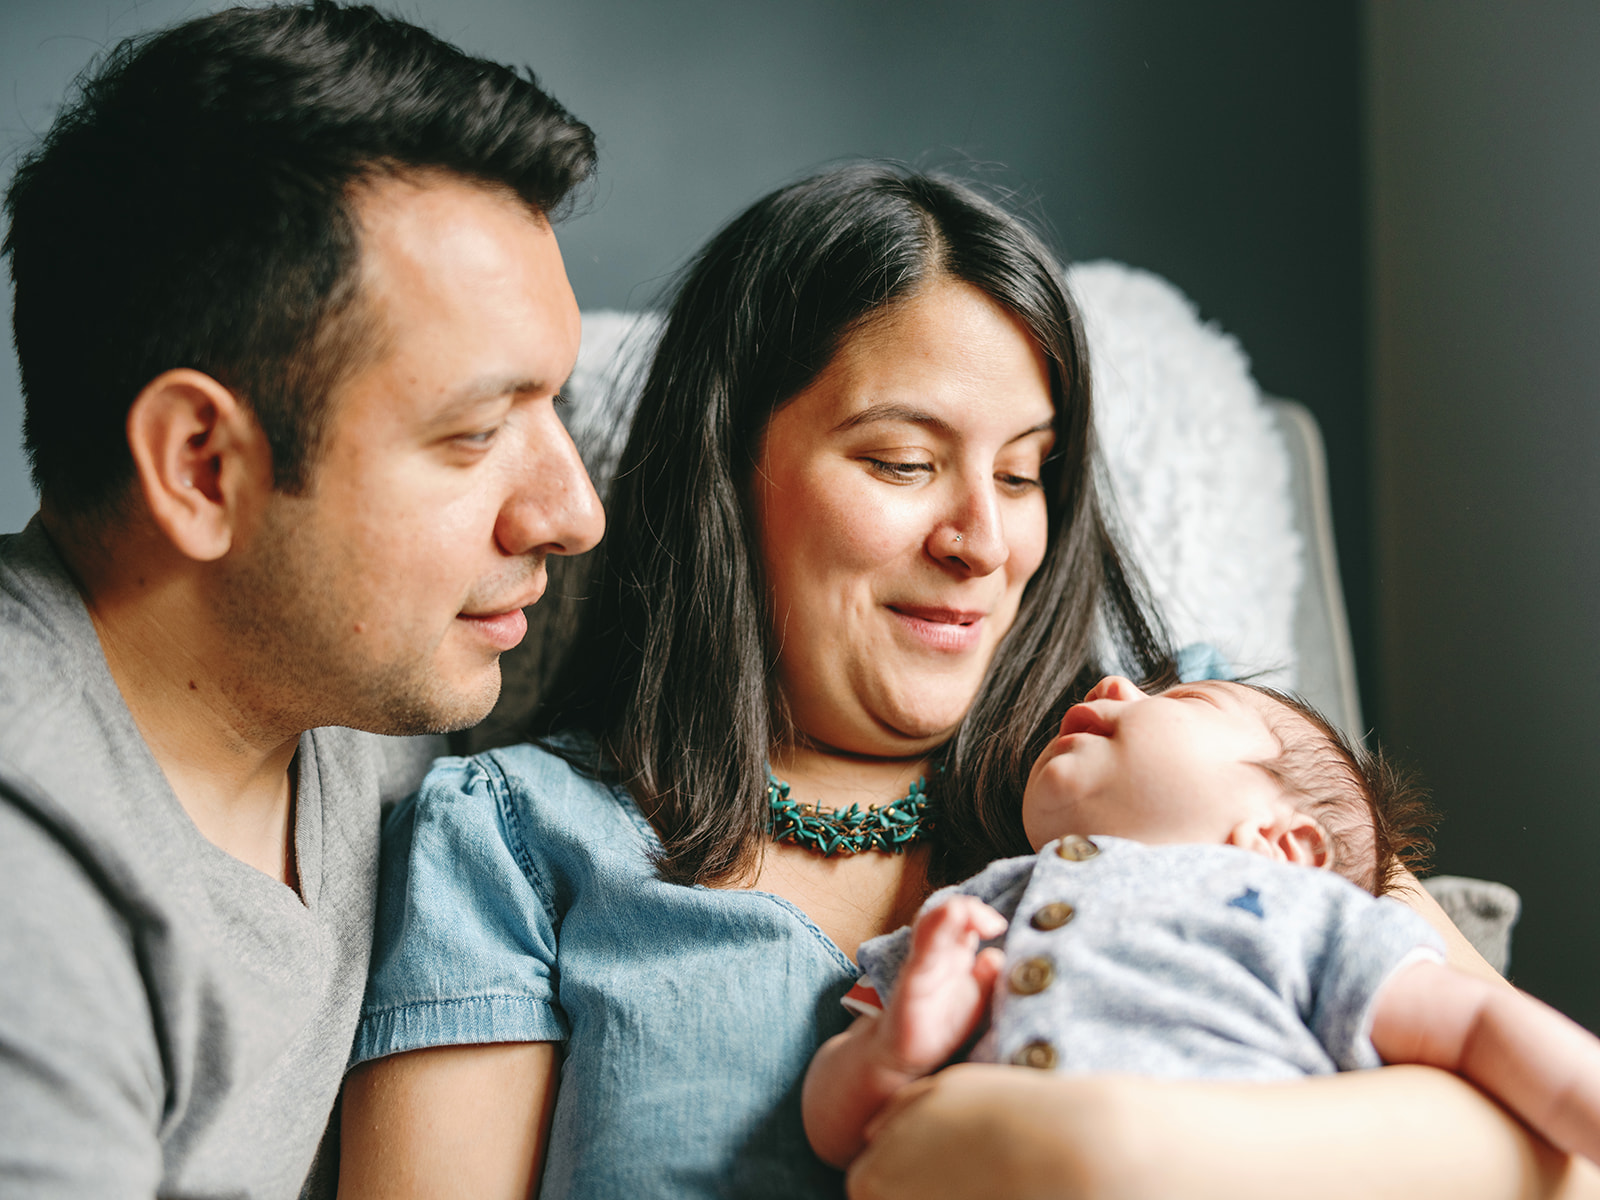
1377 816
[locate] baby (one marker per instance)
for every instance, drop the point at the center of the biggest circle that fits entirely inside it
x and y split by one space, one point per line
1169 925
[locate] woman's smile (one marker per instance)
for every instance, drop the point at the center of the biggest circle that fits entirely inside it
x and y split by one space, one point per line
945 630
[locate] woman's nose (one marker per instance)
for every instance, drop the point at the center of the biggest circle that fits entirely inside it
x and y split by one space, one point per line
1115 687
972 538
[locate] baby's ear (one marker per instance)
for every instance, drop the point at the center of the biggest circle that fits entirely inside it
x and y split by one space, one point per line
1301 839
1287 835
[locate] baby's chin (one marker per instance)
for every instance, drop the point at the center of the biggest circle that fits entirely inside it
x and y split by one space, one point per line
1043 829
1060 799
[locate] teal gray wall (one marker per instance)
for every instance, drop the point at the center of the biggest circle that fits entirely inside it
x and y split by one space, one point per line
1485 191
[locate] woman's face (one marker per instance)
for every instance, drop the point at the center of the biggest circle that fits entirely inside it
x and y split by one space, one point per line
900 514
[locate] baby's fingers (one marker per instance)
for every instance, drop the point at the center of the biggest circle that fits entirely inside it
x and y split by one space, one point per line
987 969
961 920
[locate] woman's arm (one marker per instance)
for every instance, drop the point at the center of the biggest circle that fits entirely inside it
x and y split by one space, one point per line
1403 1132
454 1121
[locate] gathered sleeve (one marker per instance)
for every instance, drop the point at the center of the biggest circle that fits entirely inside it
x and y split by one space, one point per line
464 950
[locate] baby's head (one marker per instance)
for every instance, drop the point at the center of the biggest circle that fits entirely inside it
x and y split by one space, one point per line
1225 763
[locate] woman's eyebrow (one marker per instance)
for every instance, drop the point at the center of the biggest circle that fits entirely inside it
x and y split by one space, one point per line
1042 427
902 414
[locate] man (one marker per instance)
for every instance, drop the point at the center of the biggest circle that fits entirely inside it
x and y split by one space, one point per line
291 321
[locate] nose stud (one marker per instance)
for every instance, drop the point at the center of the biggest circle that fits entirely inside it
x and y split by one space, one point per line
958 537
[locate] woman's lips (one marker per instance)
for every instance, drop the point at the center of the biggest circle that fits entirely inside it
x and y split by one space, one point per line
947 630
502 630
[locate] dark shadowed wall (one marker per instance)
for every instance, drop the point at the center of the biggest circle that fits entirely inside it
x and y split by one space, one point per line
1216 145
1485 168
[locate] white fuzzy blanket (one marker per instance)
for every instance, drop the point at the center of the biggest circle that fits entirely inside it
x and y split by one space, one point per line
1199 475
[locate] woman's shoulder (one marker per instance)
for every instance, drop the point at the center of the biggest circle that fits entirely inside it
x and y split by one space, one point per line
535 795
537 773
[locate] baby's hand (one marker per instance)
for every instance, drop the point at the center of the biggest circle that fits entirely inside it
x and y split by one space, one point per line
945 985
943 989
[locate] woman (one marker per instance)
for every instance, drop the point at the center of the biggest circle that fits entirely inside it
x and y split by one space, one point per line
856 543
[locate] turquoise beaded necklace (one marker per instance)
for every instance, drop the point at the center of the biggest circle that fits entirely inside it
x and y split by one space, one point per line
829 831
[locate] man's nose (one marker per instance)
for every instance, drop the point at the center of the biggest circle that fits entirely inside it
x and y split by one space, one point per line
552 507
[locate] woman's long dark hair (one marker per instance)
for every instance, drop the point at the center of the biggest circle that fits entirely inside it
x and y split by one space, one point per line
672 665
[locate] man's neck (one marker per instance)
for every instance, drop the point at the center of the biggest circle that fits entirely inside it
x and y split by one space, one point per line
228 767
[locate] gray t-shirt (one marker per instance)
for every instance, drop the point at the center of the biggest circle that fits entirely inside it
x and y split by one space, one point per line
1180 962
172 1021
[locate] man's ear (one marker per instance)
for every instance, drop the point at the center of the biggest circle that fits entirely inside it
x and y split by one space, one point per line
201 458
1287 835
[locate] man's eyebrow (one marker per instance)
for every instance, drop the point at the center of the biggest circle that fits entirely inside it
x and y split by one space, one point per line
479 392
906 415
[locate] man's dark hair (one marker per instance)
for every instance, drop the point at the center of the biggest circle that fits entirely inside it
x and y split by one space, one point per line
193 207
1376 815
672 668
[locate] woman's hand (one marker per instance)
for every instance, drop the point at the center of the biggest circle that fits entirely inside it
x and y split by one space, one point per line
1403 1132
463 1121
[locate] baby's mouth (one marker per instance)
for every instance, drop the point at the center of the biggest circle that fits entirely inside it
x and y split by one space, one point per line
1082 718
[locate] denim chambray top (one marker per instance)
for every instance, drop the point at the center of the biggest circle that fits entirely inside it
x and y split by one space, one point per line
517 902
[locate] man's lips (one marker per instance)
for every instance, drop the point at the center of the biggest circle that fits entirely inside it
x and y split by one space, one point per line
504 627
502 630
951 630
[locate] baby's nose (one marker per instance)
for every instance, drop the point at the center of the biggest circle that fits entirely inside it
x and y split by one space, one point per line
1115 687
